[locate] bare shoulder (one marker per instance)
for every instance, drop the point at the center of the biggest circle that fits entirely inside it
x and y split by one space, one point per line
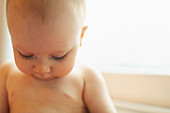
93 79
96 95
5 69
91 74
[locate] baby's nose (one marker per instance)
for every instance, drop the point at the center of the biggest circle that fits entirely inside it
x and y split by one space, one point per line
42 68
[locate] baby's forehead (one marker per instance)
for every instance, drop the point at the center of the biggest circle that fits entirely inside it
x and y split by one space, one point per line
49 9
45 42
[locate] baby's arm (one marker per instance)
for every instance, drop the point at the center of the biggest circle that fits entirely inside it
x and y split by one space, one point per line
3 91
96 96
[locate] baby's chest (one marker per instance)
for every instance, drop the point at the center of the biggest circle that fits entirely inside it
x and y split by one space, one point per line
42 95
35 95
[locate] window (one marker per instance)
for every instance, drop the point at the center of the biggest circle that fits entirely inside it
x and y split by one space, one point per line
128 36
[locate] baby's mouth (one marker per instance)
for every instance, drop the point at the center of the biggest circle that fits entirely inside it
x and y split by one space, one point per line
45 76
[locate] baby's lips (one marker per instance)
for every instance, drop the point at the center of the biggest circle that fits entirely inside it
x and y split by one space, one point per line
43 76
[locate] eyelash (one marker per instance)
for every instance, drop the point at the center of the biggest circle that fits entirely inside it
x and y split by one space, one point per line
30 56
58 58
26 57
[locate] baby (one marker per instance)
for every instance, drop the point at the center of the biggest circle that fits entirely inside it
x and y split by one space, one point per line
46 78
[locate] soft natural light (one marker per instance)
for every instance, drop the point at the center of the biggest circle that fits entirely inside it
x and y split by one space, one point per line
128 36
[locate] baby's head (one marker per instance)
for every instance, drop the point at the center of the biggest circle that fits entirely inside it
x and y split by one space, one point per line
46 35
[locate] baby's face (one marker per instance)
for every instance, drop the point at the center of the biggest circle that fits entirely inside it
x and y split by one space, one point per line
44 49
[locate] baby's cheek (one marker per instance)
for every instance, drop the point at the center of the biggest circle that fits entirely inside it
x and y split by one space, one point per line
23 66
63 69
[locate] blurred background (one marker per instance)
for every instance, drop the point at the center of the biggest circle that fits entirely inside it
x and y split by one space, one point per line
130 36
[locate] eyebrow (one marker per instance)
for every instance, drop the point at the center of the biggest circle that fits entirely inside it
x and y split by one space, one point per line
64 52
18 48
56 52
61 52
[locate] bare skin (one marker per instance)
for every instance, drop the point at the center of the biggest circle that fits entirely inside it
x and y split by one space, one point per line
45 77
31 95
82 91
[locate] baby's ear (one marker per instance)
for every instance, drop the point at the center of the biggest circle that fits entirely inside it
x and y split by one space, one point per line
82 34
